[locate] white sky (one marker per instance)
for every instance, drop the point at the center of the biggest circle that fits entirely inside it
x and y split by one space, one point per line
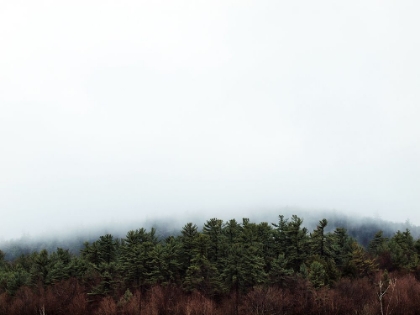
124 110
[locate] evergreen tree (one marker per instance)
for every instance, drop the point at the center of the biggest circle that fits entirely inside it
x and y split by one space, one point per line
296 243
15 278
341 247
378 244
165 263
403 250
202 275
360 265
102 256
137 254
318 241
265 237
107 248
213 229
253 260
279 274
279 236
317 274
244 264
188 240
2 261
40 267
59 266
232 231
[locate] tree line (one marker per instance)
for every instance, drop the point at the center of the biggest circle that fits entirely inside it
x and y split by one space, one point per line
222 268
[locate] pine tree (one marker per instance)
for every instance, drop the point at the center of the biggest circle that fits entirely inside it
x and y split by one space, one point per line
102 256
188 239
244 263
279 274
232 231
213 229
40 267
360 265
317 274
136 257
318 241
265 237
59 266
378 244
165 262
279 236
341 247
403 250
202 275
15 278
296 243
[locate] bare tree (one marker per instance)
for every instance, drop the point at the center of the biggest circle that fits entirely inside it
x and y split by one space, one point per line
385 285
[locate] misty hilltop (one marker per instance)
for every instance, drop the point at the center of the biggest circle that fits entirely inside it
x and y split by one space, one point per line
361 229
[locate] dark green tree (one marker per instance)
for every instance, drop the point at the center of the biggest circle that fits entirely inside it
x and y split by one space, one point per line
403 250
102 258
291 240
60 266
40 268
188 240
137 257
279 274
378 244
165 262
360 264
341 247
318 243
213 229
317 274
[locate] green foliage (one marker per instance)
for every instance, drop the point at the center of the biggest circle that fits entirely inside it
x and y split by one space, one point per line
244 264
291 240
202 275
279 274
318 241
188 241
40 268
59 266
378 244
317 274
213 229
2 261
360 265
225 257
13 279
137 255
403 251
341 247
102 258
165 267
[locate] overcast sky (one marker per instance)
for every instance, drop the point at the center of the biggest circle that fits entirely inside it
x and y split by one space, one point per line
126 110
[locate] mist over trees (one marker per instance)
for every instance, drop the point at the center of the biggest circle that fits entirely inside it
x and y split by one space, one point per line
362 230
219 267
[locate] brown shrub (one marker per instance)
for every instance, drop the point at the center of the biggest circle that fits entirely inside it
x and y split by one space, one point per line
406 297
23 303
4 302
164 300
131 305
352 296
196 304
263 300
107 306
78 305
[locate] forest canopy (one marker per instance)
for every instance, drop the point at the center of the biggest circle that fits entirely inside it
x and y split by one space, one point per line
226 267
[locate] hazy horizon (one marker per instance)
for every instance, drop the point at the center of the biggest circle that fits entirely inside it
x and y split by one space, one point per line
118 111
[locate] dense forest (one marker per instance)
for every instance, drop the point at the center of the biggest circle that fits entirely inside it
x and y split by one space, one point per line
226 267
